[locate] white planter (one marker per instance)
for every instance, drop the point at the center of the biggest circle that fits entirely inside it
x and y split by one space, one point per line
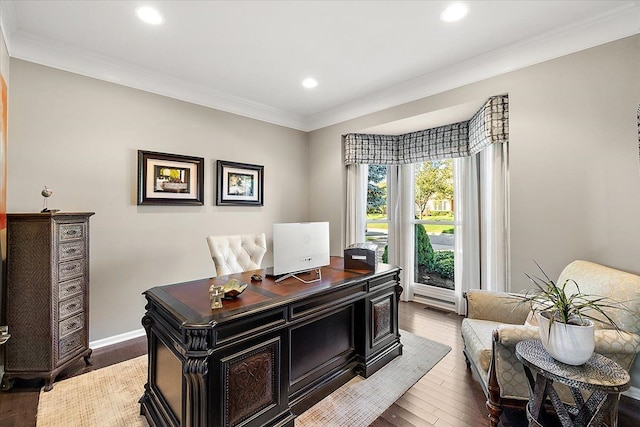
570 344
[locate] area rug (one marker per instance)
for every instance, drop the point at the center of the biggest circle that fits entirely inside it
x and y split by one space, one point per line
108 397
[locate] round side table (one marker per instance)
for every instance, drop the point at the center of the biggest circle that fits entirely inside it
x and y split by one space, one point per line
601 376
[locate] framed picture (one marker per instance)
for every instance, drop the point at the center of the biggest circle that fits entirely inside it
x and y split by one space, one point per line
239 184
170 179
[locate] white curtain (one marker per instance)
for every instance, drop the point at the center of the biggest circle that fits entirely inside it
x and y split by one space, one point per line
467 229
356 204
494 217
400 208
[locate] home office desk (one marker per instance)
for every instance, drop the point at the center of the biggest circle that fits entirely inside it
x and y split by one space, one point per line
270 354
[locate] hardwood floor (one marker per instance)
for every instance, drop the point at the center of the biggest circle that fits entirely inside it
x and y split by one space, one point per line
447 395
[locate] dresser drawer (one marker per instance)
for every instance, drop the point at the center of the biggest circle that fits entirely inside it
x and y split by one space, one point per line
71 287
71 250
70 269
70 325
69 344
70 306
68 232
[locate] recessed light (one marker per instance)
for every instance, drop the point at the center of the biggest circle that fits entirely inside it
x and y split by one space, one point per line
149 15
309 82
454 12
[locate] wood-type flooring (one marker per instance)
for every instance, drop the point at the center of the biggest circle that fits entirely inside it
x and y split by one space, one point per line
448 395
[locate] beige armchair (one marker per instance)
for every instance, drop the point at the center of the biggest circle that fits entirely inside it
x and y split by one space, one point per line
238 253
495 324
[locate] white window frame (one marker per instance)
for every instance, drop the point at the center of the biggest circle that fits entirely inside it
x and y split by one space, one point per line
428 294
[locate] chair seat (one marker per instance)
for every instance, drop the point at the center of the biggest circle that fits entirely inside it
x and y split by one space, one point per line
477 335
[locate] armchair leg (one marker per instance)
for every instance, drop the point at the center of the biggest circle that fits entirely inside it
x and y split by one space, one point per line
466 359
494 402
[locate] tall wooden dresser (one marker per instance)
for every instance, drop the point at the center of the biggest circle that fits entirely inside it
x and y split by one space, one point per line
47 294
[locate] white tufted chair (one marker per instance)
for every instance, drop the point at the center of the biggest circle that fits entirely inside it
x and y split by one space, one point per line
235 254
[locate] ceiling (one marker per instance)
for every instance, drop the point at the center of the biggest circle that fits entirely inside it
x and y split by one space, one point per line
250 57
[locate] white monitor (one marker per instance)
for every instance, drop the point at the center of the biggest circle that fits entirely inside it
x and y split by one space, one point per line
300 246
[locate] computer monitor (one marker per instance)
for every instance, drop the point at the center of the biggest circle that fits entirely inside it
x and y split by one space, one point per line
300 247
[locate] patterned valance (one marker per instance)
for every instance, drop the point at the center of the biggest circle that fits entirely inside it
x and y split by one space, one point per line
489 125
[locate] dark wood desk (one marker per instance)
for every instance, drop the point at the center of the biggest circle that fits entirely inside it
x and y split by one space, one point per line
272 353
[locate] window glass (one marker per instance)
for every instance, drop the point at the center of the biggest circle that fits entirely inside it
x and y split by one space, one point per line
434 224
377 218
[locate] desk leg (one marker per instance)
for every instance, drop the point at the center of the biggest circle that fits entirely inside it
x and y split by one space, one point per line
195 373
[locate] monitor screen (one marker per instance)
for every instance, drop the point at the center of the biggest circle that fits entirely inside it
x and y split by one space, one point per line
300 246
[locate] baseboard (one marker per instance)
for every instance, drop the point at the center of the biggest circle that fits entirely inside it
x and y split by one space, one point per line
117 338
633 392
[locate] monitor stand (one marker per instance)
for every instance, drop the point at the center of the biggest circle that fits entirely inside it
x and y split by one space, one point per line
279 278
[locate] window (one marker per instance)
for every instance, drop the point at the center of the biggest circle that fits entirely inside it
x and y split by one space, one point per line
377 212
434 224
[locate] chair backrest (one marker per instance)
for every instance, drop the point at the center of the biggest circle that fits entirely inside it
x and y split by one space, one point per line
238 253
620 286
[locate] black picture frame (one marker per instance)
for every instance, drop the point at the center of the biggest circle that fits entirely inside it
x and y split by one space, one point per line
239 184
170 179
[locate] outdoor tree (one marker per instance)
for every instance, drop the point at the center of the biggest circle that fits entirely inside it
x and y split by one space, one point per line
376 189
433 179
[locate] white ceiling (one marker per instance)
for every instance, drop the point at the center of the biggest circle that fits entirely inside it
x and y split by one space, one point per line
249 57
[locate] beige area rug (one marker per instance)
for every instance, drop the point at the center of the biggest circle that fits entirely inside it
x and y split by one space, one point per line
108 397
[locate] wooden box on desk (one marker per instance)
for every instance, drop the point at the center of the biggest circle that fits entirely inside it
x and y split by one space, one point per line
360 256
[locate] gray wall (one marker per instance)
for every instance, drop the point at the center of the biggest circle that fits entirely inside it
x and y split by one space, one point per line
574 169
80 136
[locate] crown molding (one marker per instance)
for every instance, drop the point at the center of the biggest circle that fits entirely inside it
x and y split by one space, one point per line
33 48
8 21
619 23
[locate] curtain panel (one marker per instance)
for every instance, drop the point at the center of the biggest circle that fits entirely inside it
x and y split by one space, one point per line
488 126
479 147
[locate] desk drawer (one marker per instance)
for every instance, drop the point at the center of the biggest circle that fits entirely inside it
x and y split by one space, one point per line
329 301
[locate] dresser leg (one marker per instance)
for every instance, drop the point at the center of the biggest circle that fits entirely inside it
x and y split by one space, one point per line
87 358
7 383
48 382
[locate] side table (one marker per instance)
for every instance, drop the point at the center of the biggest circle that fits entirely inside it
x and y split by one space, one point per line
603 377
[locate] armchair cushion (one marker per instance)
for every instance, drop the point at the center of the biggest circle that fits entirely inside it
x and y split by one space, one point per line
497 306
477 340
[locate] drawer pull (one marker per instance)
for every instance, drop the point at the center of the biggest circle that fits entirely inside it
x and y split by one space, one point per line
72 232
71 251
70 268
71 306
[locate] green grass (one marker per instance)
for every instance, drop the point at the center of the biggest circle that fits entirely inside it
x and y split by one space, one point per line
437 229
431 228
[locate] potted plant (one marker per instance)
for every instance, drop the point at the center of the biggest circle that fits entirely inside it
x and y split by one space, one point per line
566 317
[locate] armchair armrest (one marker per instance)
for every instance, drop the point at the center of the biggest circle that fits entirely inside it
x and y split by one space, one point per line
510 335
608 341
496 306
